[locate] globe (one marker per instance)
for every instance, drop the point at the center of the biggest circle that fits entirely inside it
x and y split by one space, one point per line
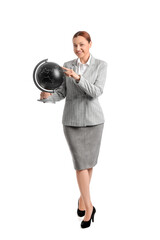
48 76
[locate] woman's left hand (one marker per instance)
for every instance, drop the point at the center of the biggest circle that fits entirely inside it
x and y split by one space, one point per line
71 73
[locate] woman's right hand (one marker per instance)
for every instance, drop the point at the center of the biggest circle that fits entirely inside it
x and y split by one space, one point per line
44 95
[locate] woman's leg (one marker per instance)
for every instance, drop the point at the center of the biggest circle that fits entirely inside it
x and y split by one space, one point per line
90 170
83 178
81 203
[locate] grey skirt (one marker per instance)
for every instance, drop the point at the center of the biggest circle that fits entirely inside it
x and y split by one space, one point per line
84 144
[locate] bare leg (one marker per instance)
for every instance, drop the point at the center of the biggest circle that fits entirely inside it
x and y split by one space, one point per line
81 202
83 178
90 170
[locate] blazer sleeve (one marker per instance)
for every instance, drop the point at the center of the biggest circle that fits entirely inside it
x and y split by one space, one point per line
96 89
59 93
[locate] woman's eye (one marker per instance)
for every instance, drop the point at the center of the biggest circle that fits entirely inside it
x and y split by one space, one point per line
80 45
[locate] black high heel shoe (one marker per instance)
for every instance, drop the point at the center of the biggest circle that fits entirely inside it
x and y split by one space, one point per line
80 213
85 224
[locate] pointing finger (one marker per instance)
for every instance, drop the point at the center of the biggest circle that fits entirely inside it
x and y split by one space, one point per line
65 68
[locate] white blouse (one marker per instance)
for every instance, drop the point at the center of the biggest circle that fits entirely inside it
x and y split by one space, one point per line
81 67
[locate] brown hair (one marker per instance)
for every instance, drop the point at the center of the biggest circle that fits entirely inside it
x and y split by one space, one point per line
83 34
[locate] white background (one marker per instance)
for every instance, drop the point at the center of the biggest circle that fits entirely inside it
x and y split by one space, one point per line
38 186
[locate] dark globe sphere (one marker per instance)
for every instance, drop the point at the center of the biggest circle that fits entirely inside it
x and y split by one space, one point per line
48 76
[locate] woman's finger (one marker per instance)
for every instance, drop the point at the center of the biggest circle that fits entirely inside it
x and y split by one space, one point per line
68 69
41 95
65 68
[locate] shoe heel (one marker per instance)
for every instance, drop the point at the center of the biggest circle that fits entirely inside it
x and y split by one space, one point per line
93 214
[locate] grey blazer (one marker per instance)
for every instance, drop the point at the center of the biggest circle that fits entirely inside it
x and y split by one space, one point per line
82 107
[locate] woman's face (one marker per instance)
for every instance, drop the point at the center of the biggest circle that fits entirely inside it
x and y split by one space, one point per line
81 46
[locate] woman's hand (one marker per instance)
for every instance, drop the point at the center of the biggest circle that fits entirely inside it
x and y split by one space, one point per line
44 95
71 73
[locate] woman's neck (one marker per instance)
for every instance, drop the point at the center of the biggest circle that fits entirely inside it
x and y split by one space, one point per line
85 58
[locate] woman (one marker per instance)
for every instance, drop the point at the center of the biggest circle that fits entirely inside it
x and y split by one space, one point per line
83 119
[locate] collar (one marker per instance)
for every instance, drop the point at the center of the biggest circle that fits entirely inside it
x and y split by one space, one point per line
87 63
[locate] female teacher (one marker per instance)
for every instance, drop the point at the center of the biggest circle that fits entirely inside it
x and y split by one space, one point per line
83 119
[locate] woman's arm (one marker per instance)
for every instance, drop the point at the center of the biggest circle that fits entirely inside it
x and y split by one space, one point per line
96 89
